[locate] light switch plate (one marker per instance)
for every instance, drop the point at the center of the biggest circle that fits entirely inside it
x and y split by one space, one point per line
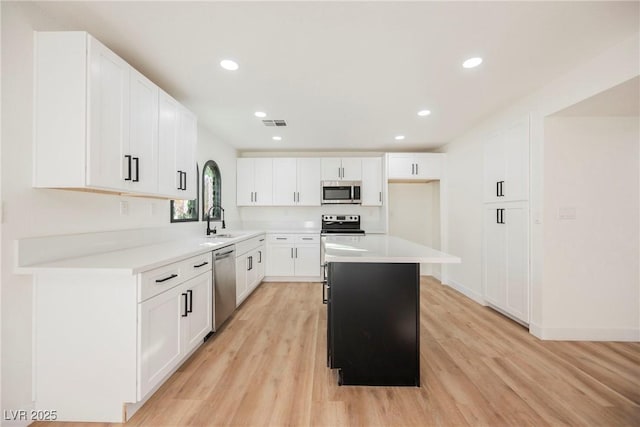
567 212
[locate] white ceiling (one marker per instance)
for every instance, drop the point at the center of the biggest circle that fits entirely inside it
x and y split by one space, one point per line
350 75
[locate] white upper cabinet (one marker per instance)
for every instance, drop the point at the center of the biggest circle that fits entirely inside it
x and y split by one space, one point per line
338 169
506 163
372 181
186 154
168 125
141 167
254 182
296 182
99 119
415 166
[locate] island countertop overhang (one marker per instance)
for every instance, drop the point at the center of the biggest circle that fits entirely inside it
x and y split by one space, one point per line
381 249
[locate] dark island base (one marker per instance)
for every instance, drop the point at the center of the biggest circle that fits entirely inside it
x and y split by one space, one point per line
373 323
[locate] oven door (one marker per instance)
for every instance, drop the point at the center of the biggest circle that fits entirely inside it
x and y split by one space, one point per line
336 193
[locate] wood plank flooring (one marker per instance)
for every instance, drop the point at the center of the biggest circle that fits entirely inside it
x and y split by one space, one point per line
268 367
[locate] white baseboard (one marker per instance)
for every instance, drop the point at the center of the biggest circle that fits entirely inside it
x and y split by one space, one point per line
585 334
469 293
438 276
291 279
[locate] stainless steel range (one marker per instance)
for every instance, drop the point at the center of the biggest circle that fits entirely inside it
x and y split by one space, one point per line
341 224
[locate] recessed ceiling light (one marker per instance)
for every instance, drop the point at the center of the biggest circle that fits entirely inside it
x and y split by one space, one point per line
228 64
277 138
423 113
472 62
260 114
399 137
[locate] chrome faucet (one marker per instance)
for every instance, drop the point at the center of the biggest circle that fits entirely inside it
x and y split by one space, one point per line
209 213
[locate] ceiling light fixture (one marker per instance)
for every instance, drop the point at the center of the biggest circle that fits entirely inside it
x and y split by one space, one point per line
277 138
228 64
472 62
399 137
423 113
260 114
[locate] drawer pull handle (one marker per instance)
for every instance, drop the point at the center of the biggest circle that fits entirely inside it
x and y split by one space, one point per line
201 265
281 238
307 238
173 276
262 240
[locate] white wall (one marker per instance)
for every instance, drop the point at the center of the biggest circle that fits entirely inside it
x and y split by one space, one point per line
591 165
38 212
613 66
414 215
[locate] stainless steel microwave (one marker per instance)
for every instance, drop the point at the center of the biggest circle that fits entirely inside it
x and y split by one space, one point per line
341 192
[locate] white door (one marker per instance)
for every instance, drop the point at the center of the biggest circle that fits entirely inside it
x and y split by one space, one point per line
495 272
517 261
284 182
108 118
185 155
168 124
160 337
494 167
242 265
516 157
428 166
260 262
308 179
307 259
281 260
352 168
371 191
401 166
143 134
331 168
263 182
198 322
244 181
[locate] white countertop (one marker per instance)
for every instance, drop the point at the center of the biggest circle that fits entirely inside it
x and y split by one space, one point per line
143 258
381 249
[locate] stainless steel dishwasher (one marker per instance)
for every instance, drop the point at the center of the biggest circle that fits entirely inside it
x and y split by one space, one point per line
224 283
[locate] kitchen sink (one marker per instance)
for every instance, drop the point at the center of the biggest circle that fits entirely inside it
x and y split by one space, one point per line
222 236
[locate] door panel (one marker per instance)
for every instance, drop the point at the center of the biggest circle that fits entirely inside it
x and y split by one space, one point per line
199 322
307 260
284 182
517 256
308 178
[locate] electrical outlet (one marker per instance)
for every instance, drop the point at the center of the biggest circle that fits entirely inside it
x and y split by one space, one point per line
567 212
124 207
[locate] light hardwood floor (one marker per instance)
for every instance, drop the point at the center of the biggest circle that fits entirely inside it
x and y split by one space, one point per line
268 367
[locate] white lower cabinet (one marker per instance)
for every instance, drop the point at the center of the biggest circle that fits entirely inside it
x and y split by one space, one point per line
293 255
109 339
506 258
250 261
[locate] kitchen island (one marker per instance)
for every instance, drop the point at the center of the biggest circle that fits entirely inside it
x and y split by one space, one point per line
372 292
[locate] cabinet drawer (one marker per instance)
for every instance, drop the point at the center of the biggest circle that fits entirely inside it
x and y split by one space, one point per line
281 238
307 238
160 279
249 244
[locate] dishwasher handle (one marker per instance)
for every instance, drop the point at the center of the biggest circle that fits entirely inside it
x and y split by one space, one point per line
224 254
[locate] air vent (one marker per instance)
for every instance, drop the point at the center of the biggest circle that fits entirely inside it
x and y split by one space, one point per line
274 122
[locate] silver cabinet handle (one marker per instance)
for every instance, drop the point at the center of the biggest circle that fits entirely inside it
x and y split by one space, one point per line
256 200
413 167
381 196
296 252
417 169
291 252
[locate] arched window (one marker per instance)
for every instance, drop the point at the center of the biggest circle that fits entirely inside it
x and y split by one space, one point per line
211 190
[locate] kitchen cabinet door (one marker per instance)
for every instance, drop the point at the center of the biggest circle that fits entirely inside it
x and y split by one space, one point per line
401 166
245 177
495 273
108 99
307 260
506 258
284 182
331 169
254 182
372 181
198 322
168 129
308 181
242 265
516 169
263 182
260 263
351 168
280 261
494 167
428 166
142 167
160 338
186 154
